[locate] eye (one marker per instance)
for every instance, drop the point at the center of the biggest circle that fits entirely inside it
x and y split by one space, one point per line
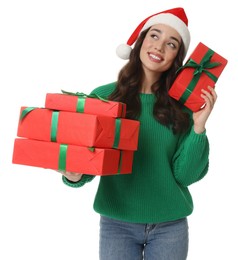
154 36
172 45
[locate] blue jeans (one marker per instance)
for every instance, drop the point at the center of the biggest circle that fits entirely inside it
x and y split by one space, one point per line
128 241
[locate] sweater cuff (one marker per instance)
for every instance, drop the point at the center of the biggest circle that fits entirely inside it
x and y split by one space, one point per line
85 178
196 135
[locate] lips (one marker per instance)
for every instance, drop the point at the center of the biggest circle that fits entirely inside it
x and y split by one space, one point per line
155 57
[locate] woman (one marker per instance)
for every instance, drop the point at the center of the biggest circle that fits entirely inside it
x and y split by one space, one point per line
144 214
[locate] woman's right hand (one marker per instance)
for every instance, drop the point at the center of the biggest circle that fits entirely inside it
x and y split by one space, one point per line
72 176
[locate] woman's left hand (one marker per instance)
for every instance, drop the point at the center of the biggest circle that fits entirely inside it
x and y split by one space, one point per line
200 117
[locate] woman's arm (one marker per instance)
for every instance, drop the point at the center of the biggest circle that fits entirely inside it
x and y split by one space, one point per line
191 161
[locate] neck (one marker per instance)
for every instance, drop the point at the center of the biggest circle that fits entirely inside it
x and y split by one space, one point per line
146 90
149 80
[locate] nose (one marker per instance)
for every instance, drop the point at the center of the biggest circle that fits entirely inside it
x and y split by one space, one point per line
159 46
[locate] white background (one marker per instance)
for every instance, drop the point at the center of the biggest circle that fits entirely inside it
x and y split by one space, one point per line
49 45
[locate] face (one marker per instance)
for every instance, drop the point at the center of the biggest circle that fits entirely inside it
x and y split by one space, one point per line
159 48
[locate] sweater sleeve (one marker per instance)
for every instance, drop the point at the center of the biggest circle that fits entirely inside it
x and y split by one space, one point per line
104 90
191 160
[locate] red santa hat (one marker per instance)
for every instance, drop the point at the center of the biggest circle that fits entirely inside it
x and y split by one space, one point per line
176 18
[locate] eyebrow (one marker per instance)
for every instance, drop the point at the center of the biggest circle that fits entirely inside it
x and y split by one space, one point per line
172 37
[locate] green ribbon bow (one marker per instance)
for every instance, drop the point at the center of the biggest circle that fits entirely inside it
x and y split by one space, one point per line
81 99
200 68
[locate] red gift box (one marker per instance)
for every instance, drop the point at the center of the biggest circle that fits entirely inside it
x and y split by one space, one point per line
202 69
71 158
79 129
85 104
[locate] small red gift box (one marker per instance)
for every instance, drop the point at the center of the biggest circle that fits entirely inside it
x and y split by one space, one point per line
71 158
78 129
84 104
201 70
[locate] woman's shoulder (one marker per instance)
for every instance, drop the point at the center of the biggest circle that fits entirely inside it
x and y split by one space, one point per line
104 90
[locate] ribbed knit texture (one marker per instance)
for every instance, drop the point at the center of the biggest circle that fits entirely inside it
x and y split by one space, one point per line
164 166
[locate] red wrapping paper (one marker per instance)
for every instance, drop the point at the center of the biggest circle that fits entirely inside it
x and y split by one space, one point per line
78 159
79 129
195 102
94 106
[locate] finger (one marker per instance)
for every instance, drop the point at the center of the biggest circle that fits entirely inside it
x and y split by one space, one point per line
65 173
213 92
209 102
209 96
60 171
70 173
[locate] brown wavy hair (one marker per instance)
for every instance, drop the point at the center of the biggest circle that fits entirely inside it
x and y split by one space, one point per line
167 110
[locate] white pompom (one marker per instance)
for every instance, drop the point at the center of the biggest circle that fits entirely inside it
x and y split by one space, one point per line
123 51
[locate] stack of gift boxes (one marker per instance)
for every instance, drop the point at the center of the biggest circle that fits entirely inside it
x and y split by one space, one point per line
77 133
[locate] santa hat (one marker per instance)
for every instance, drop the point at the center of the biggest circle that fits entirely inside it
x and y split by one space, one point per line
175 18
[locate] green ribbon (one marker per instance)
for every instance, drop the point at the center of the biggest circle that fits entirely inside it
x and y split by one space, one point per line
200 68
81 99
120 162
117 132
80 105
54 121
25 111
62 157
92 149
83 95
54 126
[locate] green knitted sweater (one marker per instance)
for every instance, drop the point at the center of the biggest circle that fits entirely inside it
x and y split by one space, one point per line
164 166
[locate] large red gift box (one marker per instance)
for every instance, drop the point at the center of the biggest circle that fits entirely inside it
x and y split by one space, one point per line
202 69
71 158
85 104
79 129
